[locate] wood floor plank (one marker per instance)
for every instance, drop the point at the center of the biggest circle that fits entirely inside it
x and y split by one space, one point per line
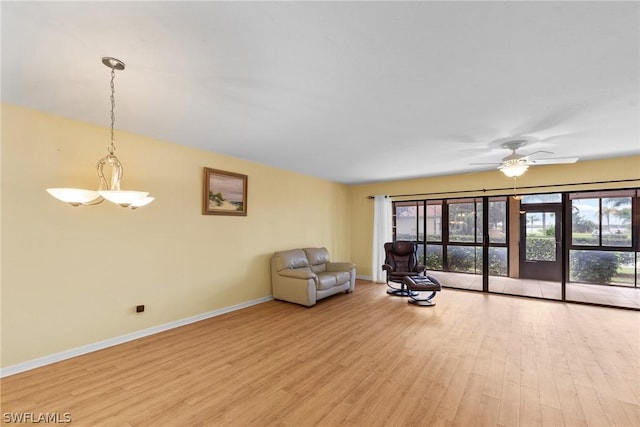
470 404
572 411
488 412
632 412
362 359
591 406
551 417
530 411
547 386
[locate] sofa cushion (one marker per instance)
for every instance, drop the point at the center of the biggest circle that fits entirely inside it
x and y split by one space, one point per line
342 277
330 279
318 258
294 258
326 281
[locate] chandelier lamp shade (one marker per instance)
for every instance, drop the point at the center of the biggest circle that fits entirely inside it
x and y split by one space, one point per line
514 168
108 189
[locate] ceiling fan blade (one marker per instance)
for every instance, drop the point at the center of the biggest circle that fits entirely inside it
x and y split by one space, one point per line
539 151
473 151
493 164
460 139
560 136
555 160
552 119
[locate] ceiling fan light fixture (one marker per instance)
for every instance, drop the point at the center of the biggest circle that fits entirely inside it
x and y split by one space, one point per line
513 168
107 190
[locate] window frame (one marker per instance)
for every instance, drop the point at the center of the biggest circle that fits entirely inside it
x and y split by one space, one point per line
481 238
634 194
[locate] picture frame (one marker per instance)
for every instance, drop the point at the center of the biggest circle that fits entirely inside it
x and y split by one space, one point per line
224 193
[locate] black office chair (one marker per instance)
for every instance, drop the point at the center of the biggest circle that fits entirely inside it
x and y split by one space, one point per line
401 261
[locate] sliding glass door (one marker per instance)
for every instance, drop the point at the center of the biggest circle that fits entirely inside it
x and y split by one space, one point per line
603 262
580 247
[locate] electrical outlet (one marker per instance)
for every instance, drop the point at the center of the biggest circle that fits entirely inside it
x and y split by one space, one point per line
139 308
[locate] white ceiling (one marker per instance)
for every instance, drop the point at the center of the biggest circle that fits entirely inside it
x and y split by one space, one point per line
348 91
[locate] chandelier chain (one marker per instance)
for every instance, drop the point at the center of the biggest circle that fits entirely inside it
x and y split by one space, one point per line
112 147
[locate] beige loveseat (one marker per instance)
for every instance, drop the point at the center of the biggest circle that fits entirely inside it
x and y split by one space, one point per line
304 276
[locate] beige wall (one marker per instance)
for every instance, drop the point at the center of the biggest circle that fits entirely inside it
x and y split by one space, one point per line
587 171
73 276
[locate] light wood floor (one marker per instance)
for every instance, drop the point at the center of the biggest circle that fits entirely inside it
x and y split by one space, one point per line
364 359
617 296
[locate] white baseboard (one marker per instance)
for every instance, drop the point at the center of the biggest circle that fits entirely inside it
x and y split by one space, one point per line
78 351
361 277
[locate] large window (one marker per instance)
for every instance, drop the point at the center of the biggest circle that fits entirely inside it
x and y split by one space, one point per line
465 220
541 198
408 224
602 267
454 244
434 221
601 219
498 220
407 221
432 249
464 255
571 246
602 239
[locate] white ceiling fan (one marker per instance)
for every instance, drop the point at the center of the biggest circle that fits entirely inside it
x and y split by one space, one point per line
516 164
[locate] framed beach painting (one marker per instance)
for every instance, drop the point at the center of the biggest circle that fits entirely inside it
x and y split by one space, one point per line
224 193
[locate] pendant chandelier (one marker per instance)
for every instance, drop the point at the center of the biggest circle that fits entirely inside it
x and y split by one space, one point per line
107 190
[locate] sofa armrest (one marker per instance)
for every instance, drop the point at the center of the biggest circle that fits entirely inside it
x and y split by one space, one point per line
295 285
297 273
340 266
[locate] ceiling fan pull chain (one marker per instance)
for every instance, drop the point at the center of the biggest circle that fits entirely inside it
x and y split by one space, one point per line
515 190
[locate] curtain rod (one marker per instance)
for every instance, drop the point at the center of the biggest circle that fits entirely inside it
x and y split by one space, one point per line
484 190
